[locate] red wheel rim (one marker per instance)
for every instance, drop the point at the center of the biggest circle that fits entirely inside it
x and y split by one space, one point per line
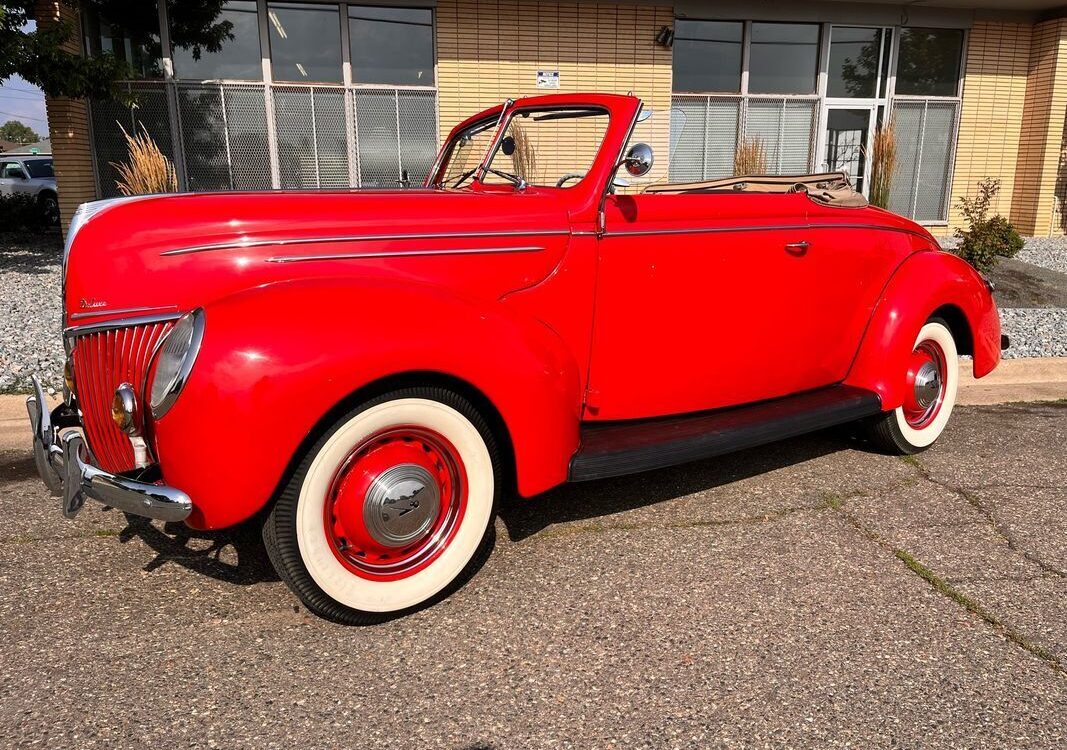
395 503
926 384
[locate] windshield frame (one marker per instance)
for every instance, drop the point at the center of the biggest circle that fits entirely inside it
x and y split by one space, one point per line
501 120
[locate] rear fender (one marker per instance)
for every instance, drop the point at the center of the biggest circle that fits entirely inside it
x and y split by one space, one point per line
924 283
276 359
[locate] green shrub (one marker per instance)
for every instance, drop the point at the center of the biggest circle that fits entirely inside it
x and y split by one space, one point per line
987 239
19 211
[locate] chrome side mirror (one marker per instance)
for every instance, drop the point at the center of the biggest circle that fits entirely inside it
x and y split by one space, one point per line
638 159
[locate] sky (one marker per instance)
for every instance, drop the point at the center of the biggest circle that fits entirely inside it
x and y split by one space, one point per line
20 100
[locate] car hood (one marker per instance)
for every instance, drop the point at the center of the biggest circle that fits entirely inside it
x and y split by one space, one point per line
174 253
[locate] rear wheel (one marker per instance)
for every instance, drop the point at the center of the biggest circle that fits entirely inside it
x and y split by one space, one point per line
49 206
393 507
932 378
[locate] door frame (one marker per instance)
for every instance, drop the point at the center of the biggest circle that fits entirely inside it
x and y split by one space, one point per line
871 105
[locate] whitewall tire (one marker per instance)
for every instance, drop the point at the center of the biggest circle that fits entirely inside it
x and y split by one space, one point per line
393 506
932 379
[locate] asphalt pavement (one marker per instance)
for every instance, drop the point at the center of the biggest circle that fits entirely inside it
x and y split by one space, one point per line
805 594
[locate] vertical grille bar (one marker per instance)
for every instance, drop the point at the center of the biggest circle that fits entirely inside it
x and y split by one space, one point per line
103 361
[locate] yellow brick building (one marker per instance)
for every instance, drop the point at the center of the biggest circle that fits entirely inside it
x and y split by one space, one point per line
326 94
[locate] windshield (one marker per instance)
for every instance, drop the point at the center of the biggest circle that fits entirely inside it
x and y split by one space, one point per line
547 147
467 153
40 168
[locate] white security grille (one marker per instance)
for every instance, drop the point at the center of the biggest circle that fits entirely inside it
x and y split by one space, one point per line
110 118
705 131
224 137
925 133
326 136
312 140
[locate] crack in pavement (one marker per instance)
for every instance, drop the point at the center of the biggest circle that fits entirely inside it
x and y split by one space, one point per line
941 586
972 498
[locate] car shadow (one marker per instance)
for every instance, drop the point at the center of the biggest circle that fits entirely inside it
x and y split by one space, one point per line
524 517
235 555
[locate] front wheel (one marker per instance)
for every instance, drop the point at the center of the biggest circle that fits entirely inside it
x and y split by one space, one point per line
391 507
932 378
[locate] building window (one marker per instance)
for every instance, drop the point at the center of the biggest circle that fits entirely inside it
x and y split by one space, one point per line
305 42
238 58
391 45
707 56
135 41
857 58
925 134
784 58
928 63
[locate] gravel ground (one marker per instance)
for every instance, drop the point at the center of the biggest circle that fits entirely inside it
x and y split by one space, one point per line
1047 252
1035 332
30 327
807 594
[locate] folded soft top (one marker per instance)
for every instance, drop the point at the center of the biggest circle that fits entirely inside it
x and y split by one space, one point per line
831 188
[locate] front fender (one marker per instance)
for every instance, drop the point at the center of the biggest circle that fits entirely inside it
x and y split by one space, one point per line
924 283
277 358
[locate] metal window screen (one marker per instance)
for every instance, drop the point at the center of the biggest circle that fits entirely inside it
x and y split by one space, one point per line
224 136
703 137
312 142
925 134
787 129
110 117
704 134
224 144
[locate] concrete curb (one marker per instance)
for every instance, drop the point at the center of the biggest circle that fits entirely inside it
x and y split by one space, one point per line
1033 379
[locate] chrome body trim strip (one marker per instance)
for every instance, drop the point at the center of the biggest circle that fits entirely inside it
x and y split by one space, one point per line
282 242
404 253
108 325
70 477
766 228
123 311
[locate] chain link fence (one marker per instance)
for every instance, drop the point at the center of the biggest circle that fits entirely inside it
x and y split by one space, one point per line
219 135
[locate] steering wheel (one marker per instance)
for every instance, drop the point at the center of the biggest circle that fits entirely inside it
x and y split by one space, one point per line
569 176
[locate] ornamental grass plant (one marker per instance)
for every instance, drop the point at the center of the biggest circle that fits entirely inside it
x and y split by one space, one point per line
147 170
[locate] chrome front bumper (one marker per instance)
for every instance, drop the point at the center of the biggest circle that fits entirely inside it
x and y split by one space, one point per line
68 476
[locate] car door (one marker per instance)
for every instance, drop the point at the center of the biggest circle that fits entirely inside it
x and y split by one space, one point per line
10 174
705 301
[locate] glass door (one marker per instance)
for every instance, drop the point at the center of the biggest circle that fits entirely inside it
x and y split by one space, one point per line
847 142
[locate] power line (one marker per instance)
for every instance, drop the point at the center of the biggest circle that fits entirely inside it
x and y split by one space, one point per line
25 91
23 117
18 95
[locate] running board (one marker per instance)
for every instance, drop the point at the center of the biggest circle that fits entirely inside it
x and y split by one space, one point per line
615 448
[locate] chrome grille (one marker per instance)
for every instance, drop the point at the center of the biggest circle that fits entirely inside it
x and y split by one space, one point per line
103 360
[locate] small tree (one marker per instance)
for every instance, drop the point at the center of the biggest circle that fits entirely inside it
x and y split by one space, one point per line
750 157
987 239
19 132
147 170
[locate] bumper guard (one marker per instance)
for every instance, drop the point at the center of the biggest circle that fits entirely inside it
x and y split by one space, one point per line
60 463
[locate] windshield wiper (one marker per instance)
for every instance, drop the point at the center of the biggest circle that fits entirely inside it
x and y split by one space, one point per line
515 180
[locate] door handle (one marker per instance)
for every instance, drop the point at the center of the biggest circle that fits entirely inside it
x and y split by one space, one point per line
797 248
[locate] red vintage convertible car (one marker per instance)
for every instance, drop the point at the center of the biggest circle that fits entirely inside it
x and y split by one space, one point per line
367 373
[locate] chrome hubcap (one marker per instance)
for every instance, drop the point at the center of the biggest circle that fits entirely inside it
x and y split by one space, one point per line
401 505
927 385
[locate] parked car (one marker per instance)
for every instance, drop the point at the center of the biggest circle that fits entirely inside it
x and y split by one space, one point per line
367 374
31 175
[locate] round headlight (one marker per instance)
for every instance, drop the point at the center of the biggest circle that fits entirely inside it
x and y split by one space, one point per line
175 360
